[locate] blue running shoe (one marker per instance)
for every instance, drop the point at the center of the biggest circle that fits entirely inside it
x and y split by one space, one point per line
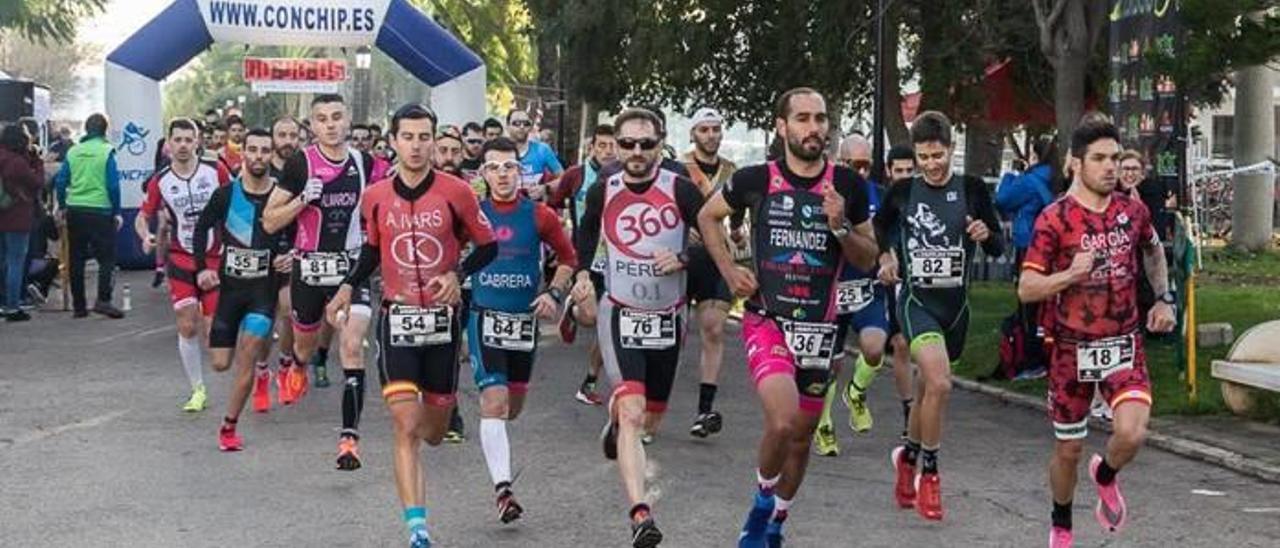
753 531
773 534
420 539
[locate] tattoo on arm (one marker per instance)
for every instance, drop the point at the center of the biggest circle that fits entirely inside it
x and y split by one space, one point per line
1156 267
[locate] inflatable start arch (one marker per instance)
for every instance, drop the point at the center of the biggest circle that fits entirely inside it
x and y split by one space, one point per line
188 27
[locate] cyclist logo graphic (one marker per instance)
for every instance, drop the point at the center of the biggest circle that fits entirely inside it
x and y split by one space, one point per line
134 139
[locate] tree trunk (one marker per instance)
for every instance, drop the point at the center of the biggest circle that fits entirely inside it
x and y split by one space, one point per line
835 114
894 125
1252 206
1068 92
982 148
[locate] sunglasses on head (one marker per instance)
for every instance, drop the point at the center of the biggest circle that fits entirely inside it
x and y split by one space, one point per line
522 123
645 144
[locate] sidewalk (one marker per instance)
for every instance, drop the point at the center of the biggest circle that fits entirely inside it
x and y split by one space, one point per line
1244 446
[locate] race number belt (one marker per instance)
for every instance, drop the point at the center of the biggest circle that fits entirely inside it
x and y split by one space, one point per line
811 343
508 331
938 267
854 295
247 264
419 325
324 268
1097 360
645 330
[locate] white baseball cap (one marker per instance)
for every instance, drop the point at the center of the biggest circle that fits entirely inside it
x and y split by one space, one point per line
707 115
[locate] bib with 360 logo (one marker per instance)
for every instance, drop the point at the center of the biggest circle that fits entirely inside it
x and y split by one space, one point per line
636 225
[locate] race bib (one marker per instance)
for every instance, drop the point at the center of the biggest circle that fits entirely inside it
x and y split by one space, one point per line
324 268
508 331
420 326
1097 360
938 267
854 295
811 343
247 264
643 330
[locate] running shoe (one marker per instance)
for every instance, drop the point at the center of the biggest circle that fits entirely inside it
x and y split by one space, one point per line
706 424
262 392
645 534
1111 510
157 279
587 394
568 325
646 438
196 403
773 534
299 384
284 383
228 439
348 454
904 487
1061 538
755 529
859 413
824 440
929 503
322 372
609 440
508 509
456 432
420 539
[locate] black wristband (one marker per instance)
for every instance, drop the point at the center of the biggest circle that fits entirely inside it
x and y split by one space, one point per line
556 294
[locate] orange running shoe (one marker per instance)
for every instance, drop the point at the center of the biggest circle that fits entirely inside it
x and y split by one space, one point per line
299 383
929 503
284 385
348 454
262 392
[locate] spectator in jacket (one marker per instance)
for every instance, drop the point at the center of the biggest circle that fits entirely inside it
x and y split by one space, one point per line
1022 196
22 174
88 189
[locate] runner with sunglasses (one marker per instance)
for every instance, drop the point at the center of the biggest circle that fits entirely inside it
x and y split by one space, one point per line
540 165
417 222
506 302
645 214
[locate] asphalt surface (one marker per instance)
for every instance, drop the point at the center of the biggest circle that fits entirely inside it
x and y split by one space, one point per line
94 451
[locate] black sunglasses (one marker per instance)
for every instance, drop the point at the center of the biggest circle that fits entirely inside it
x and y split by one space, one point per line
522 123
645 144
475 141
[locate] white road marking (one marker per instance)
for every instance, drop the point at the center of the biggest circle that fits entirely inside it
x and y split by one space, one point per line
78 425
1208 493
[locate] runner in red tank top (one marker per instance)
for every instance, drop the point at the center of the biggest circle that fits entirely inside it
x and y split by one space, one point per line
1083 262
417 223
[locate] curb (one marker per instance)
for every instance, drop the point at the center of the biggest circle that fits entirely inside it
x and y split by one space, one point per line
1179 446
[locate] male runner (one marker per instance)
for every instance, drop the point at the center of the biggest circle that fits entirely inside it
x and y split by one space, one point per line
183 189
416 222
571 194
361 138
1083 262
291 377
707 288
320 195
646 214
502 331
493 129
232 142
930 228
540 165
242 320
860 307
472 141
808 219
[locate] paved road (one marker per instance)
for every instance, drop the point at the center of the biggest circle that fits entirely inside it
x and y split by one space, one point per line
93 450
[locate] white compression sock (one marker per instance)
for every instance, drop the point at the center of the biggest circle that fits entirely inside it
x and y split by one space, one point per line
497 450
189 350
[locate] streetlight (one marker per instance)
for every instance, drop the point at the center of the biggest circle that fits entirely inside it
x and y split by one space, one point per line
364 60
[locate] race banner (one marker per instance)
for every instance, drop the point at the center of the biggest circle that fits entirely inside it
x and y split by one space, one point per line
273 75
294 22
1146 105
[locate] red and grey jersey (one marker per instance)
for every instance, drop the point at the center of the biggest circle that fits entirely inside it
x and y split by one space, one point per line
1106 304
184 198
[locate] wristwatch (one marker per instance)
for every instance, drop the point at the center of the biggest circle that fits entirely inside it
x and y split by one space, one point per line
1168 298
845 228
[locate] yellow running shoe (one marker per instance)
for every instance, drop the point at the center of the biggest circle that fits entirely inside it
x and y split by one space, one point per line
196 403
859 413
824 440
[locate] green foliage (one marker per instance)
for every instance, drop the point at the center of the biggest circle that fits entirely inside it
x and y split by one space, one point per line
1221 38
46 21
497 30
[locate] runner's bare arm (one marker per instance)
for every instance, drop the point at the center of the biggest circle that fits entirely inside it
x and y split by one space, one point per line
588 237
1155 265
282 208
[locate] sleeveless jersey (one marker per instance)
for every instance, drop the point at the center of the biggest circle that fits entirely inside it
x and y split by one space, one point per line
798 259
511 281
635 227
332 224
184 199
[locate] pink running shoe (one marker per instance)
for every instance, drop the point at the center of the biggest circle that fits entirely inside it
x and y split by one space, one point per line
1061 538
229 440
1110 511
